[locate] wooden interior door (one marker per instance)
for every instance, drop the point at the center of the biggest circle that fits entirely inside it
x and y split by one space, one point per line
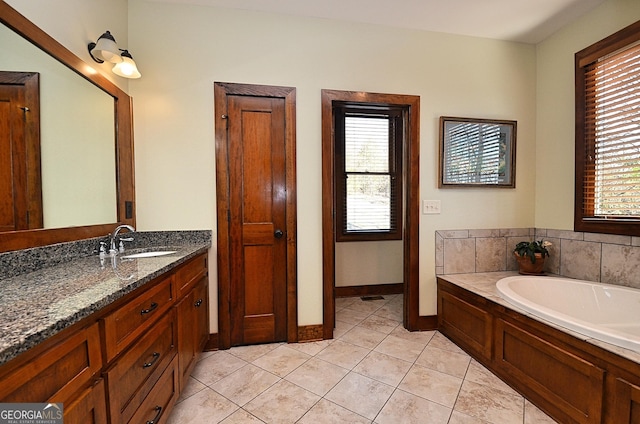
20 183
258 246
256 213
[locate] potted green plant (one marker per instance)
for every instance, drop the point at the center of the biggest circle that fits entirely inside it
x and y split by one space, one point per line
531 256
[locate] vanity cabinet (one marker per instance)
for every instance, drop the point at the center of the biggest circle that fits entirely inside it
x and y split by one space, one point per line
124 363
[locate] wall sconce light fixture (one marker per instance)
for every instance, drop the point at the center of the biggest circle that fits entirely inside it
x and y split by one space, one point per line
106 50
127 68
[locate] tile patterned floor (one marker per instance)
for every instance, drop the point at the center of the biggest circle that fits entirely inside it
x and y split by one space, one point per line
374 371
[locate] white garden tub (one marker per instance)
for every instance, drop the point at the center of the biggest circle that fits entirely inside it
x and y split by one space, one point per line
606 312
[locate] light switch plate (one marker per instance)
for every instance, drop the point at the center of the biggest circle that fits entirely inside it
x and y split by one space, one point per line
430 207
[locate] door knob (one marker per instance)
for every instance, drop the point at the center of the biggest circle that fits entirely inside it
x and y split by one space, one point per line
278 233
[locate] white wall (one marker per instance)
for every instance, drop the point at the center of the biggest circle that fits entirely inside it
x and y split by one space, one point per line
183 49
555 107
369 263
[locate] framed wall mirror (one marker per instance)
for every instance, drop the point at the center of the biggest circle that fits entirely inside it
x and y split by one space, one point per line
477 153
86 142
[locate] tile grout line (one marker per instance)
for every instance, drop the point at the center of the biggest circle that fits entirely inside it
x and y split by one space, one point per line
464 378
413 363
368 352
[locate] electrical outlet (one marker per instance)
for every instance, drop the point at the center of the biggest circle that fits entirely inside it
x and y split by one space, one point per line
430 207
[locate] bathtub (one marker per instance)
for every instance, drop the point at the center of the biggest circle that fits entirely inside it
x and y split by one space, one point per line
606 312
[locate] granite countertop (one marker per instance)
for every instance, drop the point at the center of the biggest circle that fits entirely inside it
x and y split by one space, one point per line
36 305
484 284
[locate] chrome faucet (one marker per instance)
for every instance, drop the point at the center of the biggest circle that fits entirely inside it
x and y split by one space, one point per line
113 248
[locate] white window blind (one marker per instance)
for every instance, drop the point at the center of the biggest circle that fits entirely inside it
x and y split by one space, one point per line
612 133
368 174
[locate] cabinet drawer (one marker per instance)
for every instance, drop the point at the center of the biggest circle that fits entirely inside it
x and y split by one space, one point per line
134 318
132 377
190 273
157 405
56 373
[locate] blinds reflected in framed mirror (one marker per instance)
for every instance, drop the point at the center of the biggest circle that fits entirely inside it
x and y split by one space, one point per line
477 153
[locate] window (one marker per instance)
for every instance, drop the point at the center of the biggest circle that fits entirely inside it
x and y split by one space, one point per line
608 135
368 172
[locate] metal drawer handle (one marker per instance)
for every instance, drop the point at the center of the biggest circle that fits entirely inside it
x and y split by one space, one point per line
153 306
156 355
157 417
198 303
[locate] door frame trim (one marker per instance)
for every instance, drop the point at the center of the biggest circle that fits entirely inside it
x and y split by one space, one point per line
411 234
221 91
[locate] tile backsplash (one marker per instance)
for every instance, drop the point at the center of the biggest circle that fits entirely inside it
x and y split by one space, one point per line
610 259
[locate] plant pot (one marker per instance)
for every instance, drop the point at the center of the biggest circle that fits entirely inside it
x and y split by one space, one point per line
526 267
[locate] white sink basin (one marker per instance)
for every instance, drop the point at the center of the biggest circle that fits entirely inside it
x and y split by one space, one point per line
150 254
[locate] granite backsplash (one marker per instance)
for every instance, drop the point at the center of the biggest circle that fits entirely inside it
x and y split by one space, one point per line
28 260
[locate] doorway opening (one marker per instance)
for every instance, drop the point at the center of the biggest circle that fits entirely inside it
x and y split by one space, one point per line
409 107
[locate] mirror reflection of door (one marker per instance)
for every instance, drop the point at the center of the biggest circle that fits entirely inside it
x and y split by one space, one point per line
20 176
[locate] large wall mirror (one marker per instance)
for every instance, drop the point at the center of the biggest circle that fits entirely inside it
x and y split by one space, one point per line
85 139
477 153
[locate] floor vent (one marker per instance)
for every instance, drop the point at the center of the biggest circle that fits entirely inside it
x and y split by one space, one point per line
371 298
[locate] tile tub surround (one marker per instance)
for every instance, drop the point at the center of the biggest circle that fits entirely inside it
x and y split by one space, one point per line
604 258
38 304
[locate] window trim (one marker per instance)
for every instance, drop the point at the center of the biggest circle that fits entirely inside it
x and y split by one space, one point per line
397 114
582 221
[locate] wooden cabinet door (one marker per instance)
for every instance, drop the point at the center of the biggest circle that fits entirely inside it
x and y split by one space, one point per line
468 325
89 407
186 337
201 305
193 327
